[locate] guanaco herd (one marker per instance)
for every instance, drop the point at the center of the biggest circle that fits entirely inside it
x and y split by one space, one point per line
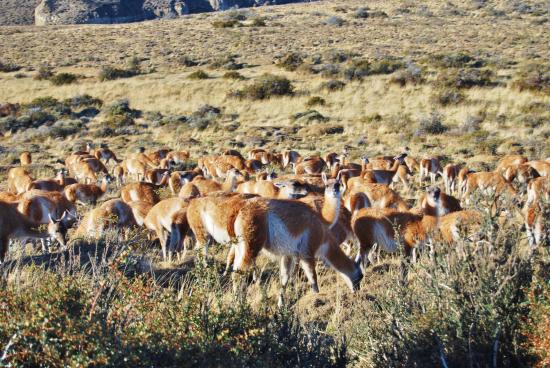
315 208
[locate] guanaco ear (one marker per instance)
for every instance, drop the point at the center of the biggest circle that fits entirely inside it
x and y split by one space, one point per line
324 177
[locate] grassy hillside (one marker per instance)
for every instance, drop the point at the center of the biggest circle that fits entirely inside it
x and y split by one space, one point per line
468 81
18 12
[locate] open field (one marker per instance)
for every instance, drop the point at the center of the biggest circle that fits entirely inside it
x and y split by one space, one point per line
468 82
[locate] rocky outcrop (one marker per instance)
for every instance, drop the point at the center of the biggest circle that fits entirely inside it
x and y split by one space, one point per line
122 11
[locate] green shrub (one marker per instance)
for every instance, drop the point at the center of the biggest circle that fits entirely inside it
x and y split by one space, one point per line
187 61
335 21
44 73
466 78
258 22
315 101
362 68
410 75
332 85
228 62
362 13
455 60
534 77
267 86
121 108
8 67
63 79
290 61
309 116
204 117
233 75
226 23
431 124
198 74
109 73
445 97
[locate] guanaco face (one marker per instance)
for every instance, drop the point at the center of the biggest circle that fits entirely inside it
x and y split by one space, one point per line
437 203
25 158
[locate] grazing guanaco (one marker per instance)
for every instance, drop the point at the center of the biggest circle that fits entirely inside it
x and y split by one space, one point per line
444 205
429 167
536 217
212 217
206 186
461 180
135 167
159 220
15 225
56 184
119 174
379 195
189 190
87 193
521 173
261 155
542 167
105 154
113 214
309 165
43 207
88 169
178 178
489 183
155 176
290 157
292 230
389 227
141 191
450 177
509 160
291 189
25 158
268 175
19 180
538 189
386 176
140 209
177 157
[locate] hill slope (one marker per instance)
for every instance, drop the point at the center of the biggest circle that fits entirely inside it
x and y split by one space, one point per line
17 12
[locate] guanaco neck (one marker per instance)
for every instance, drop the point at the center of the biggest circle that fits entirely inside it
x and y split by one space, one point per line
230 183
395 166
331 209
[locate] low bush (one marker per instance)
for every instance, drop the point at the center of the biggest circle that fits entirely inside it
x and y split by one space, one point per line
290 61
534 77
187 61
227 62
204 117
226 23
456 60
121 108
431 124
8 67
82 101
63 79
446 97
198 74
109 73
361 13
315 101
233 75
465 78
335 21
309 116
412 74
332 85
44 73
267 86
471 124
362 68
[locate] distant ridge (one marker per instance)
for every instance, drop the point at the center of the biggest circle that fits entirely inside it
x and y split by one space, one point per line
50 12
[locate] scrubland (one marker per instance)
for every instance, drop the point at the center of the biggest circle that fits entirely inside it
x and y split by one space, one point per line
469 81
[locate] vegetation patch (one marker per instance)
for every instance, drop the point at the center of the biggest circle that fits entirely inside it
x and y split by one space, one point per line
267 86
8 67
198 74
466 78
62 79
534 77
109 73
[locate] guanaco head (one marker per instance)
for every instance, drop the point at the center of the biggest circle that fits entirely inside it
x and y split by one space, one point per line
57 228
433 194
332 186
292 189
401 158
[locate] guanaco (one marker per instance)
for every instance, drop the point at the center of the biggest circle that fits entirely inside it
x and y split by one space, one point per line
112 214
429 167
309 165
87 193
292 230
206 186
542 167
15 225
159 220
386 176
142 191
